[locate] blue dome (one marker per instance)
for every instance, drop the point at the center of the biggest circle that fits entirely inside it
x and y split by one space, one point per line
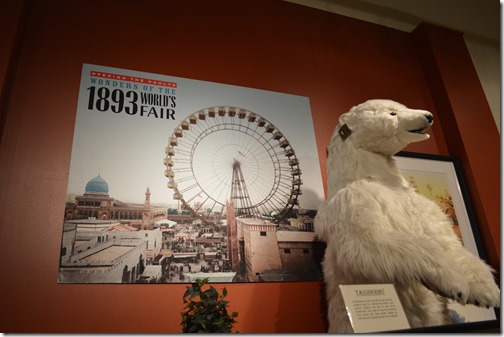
97 185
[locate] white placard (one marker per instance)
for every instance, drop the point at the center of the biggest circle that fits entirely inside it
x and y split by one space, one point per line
374 307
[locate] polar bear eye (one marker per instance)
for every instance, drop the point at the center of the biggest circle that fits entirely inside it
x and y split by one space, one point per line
393 113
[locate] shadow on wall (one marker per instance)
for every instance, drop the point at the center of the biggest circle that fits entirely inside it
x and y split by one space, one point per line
261 304
301 308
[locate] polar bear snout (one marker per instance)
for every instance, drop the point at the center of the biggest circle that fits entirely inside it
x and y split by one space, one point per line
430 118
426 126
413 125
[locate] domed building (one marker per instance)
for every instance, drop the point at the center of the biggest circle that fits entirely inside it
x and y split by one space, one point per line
97 185
96 204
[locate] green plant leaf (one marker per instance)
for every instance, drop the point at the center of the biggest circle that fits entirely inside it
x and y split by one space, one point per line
208 313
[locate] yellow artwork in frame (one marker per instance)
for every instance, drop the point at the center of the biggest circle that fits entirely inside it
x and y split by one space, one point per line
439 178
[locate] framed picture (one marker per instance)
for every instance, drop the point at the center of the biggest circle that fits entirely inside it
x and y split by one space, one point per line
440 179
198 180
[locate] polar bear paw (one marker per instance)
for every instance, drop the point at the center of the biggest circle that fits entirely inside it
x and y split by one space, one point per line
455 288
484 293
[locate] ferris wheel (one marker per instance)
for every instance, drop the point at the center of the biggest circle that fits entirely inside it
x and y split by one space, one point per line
229 154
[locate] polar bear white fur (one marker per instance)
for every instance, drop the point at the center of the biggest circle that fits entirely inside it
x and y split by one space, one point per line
379 230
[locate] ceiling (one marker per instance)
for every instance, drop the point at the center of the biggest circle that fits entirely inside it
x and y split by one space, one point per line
479 20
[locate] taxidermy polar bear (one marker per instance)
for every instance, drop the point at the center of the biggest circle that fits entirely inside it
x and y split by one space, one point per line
379 230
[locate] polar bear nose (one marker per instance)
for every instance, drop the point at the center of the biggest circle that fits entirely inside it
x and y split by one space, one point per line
430 118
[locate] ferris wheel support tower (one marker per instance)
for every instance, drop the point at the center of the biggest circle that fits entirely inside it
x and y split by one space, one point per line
239 194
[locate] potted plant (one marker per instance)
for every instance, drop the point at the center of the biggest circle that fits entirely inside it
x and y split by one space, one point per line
206 310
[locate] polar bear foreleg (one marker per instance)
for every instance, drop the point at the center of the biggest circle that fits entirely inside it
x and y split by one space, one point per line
396 257
338 319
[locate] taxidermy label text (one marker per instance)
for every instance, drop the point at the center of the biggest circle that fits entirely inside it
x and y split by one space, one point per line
370 292
373 307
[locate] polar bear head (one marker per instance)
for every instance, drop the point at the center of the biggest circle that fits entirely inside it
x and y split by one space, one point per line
383 126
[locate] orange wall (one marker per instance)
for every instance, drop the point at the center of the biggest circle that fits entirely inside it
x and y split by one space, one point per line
469 129
335 61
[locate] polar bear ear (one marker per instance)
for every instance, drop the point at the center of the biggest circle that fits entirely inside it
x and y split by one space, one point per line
344 118
343 130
